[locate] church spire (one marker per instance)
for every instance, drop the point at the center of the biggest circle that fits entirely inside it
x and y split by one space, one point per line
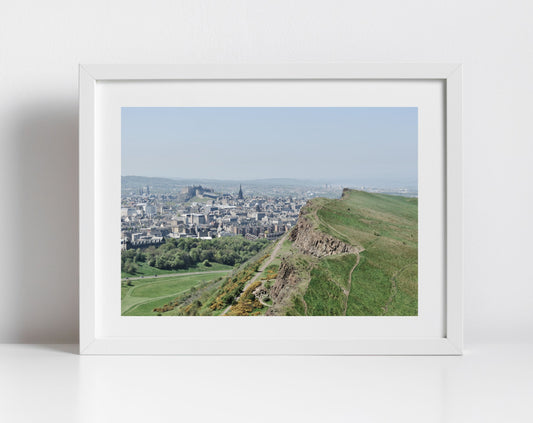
241 197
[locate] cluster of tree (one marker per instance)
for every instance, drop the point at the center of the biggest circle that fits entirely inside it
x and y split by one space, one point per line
129 259
183 253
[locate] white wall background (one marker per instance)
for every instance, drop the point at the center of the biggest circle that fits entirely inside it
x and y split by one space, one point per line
41 44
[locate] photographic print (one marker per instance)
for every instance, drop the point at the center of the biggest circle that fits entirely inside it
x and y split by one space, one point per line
269 211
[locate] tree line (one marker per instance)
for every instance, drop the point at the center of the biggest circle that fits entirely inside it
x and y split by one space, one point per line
182 253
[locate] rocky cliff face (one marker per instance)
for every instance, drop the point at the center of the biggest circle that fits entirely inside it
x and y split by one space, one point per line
308 241
316 243
287 279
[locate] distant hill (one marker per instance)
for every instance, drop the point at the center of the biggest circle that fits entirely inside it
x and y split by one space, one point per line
158 184
163 185
155 184
140 180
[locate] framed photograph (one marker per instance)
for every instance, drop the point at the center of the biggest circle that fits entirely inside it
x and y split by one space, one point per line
270 209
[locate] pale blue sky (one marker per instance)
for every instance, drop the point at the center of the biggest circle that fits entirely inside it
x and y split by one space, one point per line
354 144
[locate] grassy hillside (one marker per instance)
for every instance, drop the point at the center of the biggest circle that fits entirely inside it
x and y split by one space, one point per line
385 279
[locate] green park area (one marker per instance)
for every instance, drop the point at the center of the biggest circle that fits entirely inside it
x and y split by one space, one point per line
140 297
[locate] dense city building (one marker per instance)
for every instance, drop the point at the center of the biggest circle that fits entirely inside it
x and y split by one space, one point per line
199 212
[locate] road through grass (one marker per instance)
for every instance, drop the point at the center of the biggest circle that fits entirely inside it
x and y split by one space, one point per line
146 271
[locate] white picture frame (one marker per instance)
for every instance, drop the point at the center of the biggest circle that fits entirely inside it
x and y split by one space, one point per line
93 337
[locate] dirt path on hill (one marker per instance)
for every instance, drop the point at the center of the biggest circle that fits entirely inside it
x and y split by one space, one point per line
225 310
319 221
347 291
393 289
267 262
262 302
261 269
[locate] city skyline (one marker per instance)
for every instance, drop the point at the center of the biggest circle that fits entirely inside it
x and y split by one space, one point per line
355 145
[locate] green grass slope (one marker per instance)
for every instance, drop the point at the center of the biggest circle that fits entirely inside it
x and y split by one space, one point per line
385 280
140 297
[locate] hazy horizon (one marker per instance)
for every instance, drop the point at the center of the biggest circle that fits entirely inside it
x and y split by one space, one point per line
237 180
315 144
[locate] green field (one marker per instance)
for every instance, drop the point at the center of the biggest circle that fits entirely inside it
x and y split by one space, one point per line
145 270
140 297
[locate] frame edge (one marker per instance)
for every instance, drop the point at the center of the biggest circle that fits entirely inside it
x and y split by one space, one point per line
454 209
87 100
293 71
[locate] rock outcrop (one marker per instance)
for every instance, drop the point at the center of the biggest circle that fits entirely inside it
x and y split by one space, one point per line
316 243
309 241
286 280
